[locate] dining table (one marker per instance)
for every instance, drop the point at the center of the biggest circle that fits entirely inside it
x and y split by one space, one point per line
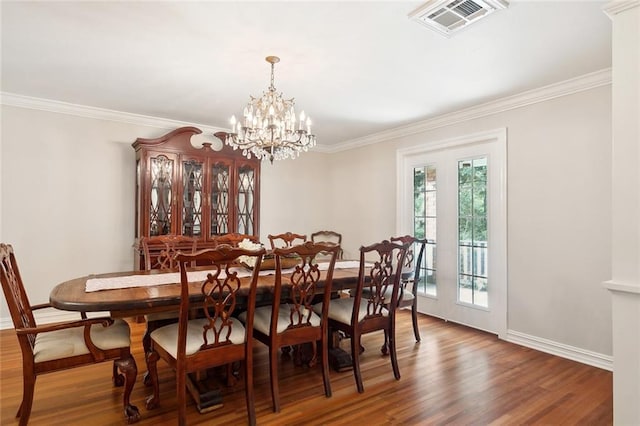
136 293
141 292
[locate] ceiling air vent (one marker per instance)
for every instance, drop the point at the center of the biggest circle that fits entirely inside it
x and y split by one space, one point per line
449 16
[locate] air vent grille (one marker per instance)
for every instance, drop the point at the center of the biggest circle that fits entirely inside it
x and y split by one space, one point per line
446 16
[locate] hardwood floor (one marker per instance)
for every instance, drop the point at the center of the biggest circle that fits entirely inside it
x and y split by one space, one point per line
456 375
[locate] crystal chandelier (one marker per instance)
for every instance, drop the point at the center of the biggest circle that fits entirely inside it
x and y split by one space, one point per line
269 127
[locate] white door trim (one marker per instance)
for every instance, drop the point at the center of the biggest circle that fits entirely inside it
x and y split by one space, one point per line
405 158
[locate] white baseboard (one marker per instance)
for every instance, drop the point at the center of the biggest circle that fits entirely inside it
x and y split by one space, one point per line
560 349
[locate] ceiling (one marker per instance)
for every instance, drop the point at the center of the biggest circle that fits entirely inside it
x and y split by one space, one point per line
356 67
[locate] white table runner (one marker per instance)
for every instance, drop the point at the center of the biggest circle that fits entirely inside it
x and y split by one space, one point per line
128 281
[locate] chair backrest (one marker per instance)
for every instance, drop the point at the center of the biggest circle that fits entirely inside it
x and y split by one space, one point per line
387 259
159 252
329 237
219 294
288 239
233 239
411 270
15 294
302 285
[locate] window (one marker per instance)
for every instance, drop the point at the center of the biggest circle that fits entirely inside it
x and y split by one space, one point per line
424 225
472 232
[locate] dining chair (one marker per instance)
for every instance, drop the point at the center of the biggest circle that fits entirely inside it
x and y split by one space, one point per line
217 338
410 278
329 237
159 253
360 314
293 323
54 347
410 274
287 239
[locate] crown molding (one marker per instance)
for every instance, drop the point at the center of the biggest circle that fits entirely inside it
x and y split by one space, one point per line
563 88
613 8
21 101
545 93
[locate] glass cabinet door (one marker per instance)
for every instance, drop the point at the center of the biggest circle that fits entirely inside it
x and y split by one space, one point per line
192 186
220 189
161 203
245 206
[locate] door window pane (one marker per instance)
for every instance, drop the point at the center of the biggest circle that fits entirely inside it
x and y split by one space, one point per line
472 232
424 225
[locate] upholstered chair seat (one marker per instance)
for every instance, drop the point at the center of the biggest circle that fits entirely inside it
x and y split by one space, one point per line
342 309
70 342
262 318
404 295
167 336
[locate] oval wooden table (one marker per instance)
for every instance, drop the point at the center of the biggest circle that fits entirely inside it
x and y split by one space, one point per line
136 301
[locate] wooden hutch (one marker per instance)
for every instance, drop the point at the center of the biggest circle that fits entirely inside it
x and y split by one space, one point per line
197 192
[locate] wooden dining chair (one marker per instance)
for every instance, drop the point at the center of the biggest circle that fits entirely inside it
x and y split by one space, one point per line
288 239
328 237
411 277
294 323
217 338
160 253
54 347
361 314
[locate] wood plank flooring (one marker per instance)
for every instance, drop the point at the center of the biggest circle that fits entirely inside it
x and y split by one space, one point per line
456 375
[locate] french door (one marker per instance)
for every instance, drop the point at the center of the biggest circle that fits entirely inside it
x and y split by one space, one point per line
453 193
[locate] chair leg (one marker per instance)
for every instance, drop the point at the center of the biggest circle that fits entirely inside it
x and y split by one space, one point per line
414 318
314 354
324 349
28 385
181 393
273 376
129 369
392 349
385 346
152 370
248 386
118 379
355 354
146 347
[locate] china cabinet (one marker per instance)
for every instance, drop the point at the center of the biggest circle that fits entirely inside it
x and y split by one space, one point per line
193 191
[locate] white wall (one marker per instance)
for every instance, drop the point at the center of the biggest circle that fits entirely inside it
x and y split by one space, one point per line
294 196
559 211
67 204
68 196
